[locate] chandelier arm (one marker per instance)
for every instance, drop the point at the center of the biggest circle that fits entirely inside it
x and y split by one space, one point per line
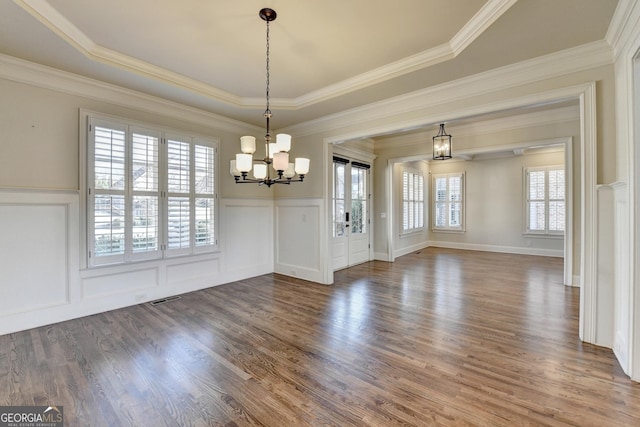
267 15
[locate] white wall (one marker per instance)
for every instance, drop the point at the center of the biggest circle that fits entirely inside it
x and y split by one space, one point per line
298 248
404 244
494 206
41 214
626 43
42 283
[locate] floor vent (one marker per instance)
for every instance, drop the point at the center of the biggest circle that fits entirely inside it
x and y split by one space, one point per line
163 300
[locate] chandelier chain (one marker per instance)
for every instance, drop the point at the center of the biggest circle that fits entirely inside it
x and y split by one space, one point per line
268 111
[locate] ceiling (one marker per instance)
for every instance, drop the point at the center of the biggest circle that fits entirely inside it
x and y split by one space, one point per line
326 57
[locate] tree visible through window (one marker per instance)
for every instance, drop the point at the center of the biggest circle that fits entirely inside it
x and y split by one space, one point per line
545 201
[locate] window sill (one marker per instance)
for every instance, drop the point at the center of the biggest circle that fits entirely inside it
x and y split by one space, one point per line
149 263
440 230
543 236
412 233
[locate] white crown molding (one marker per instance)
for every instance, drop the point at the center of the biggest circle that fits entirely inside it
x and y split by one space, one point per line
521 121
415 62
622 25
585 57
487 15
21 71
56 22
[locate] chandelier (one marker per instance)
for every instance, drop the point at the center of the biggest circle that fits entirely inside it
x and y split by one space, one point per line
276 154
442 145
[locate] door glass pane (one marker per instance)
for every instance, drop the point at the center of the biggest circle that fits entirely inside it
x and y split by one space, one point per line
358 213
339 223
358 200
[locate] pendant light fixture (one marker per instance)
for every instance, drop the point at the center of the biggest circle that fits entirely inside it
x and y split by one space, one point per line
276 154
442 145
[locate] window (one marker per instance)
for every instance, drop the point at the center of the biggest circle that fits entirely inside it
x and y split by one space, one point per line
150 194
448 202
412 201
545 204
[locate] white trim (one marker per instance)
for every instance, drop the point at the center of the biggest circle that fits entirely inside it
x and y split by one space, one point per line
410 249
546 117
580 58
589 216
497 248
21 71
573 60
56 22
623 23
585 95
569 223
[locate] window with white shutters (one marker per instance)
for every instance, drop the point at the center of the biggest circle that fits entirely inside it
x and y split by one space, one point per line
545 200
150 194
412 201
448 202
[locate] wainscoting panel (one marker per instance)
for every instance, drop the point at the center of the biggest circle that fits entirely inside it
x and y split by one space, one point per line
193 270
42 283
39 258
298 236
247 233
33 255
119 283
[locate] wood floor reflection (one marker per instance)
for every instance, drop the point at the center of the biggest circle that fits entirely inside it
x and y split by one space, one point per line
440 337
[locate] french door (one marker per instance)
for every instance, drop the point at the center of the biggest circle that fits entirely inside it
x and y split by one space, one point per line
351 206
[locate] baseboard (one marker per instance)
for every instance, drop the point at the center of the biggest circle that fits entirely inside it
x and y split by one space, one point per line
409 249
501 249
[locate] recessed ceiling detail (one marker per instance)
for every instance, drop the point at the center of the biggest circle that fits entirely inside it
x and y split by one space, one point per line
483 15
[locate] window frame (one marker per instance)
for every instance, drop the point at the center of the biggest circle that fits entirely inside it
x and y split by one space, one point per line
434 194
526 198
89 121
411 201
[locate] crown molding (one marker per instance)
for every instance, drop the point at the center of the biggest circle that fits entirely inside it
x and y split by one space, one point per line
585 57
487 15
56 22
21 71
520 121
624 23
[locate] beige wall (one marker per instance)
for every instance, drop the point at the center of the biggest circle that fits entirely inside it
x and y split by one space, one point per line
39 139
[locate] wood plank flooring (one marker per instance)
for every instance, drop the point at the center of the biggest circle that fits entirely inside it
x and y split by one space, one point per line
440 337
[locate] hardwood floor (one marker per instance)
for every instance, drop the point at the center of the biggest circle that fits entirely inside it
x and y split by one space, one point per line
440 337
